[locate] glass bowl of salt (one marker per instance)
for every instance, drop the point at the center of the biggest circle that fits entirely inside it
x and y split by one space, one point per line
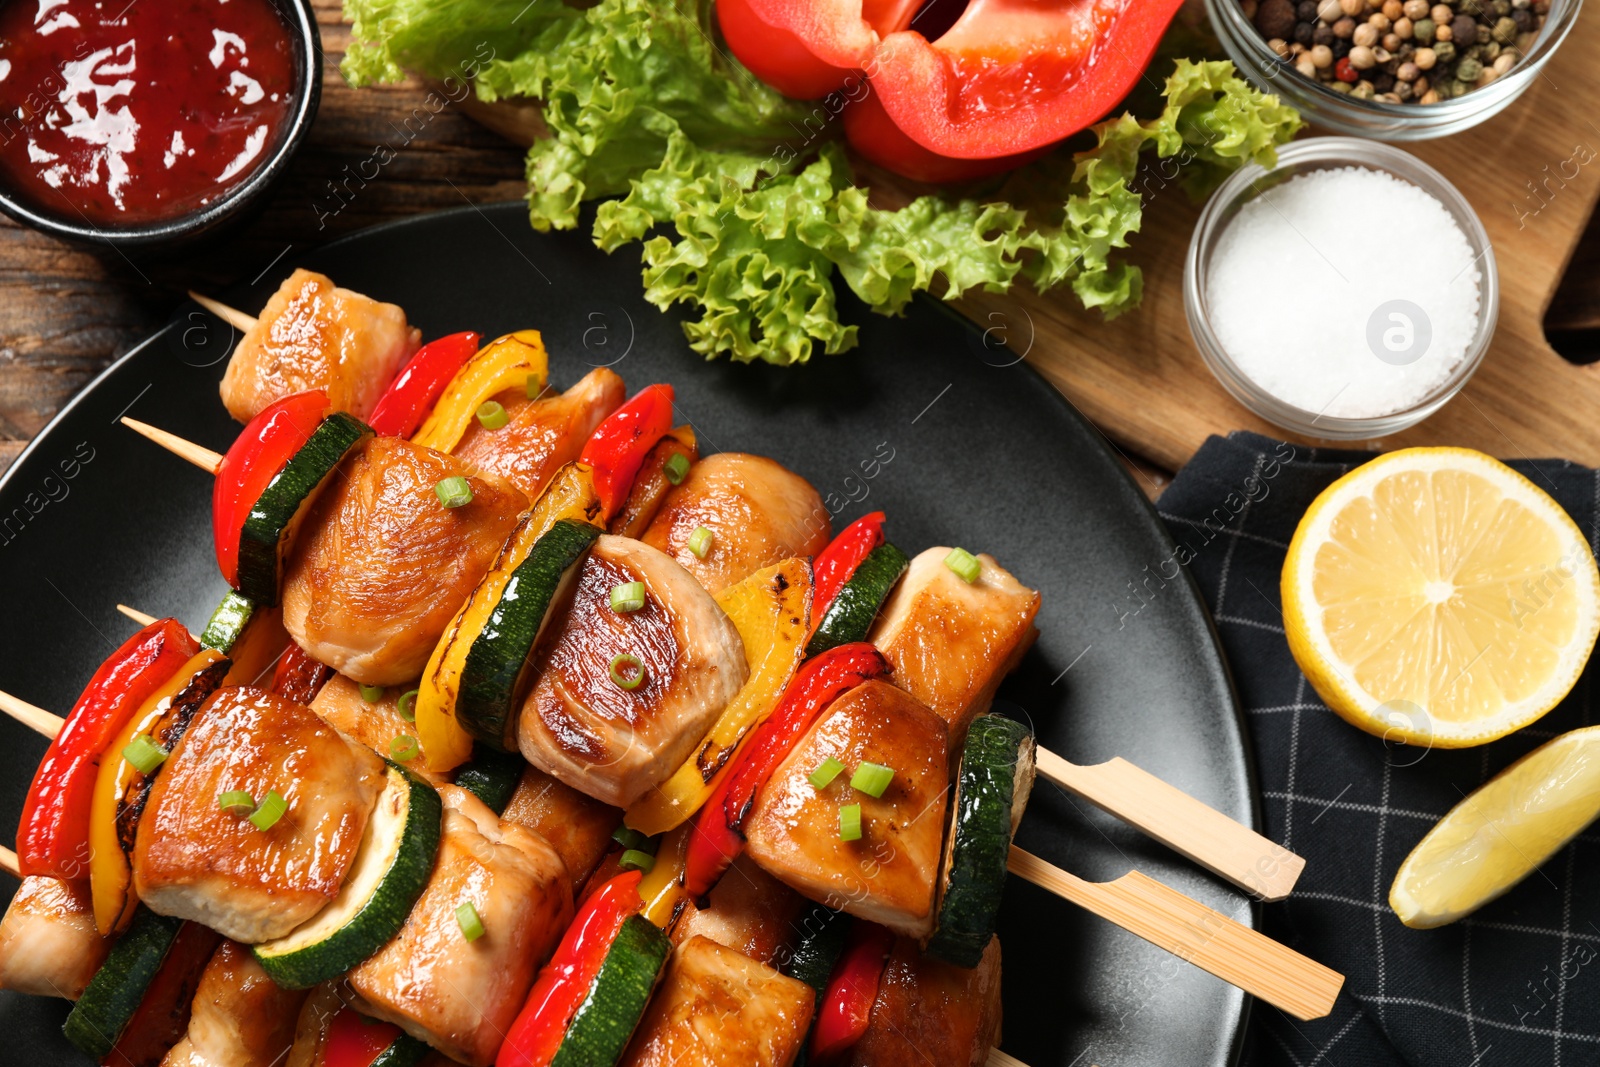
1345 294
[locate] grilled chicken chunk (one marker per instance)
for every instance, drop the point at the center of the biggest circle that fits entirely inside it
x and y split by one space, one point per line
757 511
541 436
313 335
718 1008
376 725
49 946
461 996
239 1017
195 861
578 827
613 743
929 1011
749 911
889 874
951 643
381 566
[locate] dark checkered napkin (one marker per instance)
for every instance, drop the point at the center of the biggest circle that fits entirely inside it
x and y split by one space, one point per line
1518 983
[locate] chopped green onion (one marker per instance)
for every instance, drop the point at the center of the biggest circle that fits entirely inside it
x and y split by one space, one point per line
634 860
627 670
372 693
404 748
269 811
676 467
700 541
965 564
628 837
825 773
453 492
492 415
534 386
467 919
144 753
872 779
629 596
237 802
408 706
850 822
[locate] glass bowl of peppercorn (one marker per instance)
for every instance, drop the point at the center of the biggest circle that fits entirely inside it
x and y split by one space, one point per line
1398 70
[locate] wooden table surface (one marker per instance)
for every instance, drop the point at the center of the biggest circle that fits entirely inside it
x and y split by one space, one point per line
66 312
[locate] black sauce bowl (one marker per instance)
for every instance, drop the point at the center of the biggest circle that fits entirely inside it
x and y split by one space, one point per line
239 202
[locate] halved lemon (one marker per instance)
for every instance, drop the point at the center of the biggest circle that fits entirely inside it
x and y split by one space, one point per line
1497 836
1437 597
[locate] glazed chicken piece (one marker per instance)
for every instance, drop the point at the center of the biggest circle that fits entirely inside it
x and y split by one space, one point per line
457 995
749 911
929 1011
49 946
718 1008
951 644
382 566
541 436
195 861
239 1018
578 827
314 335
613 743
376 725
887 876
757 511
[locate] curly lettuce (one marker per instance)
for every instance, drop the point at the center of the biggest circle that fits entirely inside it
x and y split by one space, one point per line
742 202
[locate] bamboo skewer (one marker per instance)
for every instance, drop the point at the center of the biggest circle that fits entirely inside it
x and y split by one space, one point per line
36 719
136 615
199 455
239 320
8 862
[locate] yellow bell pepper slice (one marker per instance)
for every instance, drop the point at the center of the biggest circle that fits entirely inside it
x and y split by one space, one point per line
570 495
662 886
110 875
256 653
515 361
772 611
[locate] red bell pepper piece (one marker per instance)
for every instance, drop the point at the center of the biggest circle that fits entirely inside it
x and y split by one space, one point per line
418 387
835 564
810 48
876 138
564 983
618 446
717 839
262 450
298 677
846 1008
53 838
163 1012
354 1041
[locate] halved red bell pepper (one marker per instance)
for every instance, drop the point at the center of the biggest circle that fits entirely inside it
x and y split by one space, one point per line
836 563
618 445
53 838
419 385
163 1012
876 138
564 983
717 839
845 1010
262 450
298 677
809 48
355 1041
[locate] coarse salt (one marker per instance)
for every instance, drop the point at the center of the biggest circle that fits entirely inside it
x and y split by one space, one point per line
1348 292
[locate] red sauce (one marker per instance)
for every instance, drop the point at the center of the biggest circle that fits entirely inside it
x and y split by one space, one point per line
132 111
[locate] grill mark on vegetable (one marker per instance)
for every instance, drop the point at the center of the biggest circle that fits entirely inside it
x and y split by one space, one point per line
168 732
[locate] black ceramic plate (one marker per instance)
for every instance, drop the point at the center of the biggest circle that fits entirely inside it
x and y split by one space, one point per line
946 431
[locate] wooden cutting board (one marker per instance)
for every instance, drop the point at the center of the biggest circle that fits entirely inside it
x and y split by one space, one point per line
1140 379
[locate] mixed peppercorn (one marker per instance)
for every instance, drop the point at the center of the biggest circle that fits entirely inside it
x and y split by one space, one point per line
1400 51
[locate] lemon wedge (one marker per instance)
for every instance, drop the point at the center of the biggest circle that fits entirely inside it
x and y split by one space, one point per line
1437 597
1497 836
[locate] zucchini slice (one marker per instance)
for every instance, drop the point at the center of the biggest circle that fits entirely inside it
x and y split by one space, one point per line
492 776
270 527
403 1051
227 622
603 1024
491 677
992 788
118 987
391 869
855 606
813 963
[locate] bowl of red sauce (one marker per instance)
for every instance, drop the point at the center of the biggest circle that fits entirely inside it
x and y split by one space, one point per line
144 123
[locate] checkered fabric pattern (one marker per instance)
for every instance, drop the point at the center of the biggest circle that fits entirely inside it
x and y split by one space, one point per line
1518 983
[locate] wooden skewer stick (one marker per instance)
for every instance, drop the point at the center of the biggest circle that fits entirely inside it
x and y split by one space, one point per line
1182 823
1000 1059
8 862
36 719
232 316
199 455
136 615
1191 931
